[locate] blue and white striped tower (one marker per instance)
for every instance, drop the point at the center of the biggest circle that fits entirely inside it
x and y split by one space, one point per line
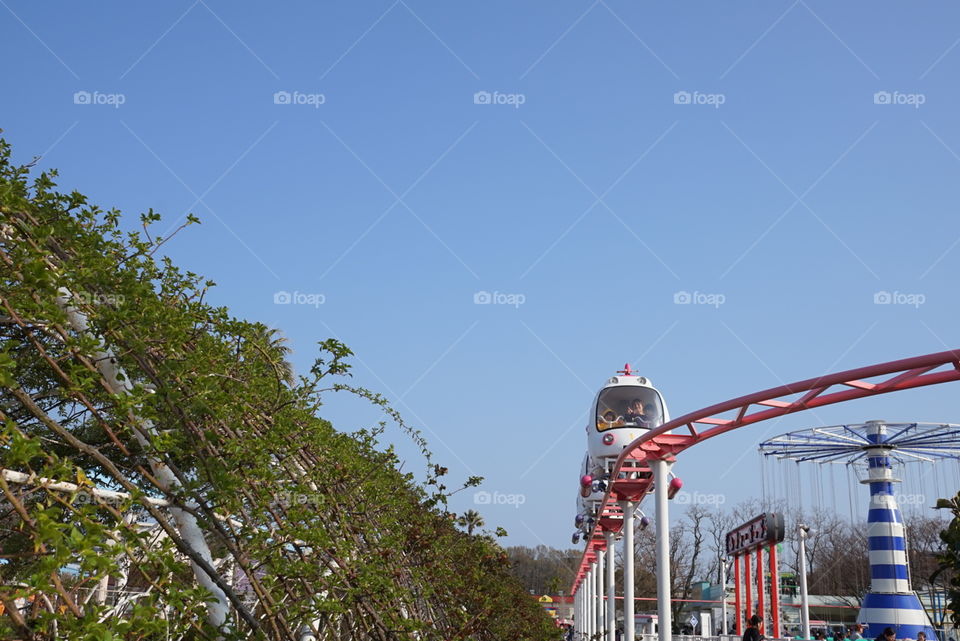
891 602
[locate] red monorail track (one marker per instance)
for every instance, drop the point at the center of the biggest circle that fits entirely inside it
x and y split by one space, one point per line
908 373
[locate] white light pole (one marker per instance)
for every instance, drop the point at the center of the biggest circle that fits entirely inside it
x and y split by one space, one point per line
804 532
723 592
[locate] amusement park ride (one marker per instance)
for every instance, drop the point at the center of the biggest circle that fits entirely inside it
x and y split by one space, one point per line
877 445
625 407
632 443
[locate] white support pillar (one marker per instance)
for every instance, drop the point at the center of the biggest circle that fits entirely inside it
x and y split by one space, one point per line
101 596
582 628
601 604
591 601
581 608
611 590
586 603
578 612
629 627
577 617
661 470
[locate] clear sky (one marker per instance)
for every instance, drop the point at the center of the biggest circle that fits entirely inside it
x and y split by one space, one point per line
387 162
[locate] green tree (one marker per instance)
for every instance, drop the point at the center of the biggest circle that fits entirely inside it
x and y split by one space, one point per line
470 520
156 445
949 557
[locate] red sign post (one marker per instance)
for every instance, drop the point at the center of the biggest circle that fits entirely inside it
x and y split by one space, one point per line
765 531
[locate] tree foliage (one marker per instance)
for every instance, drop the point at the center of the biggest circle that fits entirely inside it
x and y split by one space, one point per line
949 557
311 532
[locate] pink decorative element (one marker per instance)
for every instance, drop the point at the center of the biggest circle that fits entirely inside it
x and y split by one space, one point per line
675 485
586 480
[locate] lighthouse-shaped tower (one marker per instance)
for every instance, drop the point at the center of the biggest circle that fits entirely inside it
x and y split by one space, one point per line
891 601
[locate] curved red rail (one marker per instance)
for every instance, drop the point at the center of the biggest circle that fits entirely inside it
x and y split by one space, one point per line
708 422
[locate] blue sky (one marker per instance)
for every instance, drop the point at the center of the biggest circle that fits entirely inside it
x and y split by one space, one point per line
791 159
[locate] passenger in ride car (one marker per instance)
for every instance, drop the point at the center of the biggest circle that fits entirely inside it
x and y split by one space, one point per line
635 413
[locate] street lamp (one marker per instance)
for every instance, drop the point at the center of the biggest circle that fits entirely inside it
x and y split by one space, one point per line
804 532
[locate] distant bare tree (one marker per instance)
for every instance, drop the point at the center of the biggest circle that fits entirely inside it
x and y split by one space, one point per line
688 569
719 523
841 565
923 546
687 548
543 569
